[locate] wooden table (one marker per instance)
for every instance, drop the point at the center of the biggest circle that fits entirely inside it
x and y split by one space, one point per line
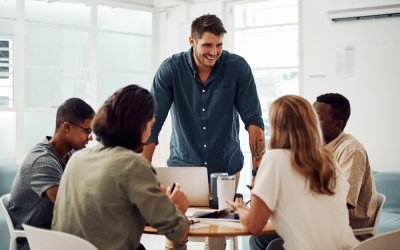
217 231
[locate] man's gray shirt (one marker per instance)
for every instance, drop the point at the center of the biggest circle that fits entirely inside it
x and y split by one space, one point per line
41 170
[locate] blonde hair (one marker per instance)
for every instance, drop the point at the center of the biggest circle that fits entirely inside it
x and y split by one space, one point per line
295 126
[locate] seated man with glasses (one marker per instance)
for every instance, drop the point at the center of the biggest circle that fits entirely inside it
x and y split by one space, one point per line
34 189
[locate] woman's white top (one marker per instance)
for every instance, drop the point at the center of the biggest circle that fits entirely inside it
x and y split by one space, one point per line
305 220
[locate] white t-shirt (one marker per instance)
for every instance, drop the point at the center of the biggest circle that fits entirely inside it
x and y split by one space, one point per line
303 219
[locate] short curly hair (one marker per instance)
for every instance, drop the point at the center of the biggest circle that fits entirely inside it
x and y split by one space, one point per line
340 106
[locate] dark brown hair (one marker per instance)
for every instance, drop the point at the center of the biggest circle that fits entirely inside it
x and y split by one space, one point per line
73 110
123 117
207 23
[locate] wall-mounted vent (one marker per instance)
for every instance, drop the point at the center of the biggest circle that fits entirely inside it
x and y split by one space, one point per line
364 13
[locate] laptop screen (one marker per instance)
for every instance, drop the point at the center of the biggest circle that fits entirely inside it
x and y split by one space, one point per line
193 182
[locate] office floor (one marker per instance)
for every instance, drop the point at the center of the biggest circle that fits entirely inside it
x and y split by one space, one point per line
151 242
157 242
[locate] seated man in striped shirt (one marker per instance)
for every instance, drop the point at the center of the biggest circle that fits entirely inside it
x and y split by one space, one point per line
34 189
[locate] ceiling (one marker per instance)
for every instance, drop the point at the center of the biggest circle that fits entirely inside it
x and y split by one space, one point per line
162 3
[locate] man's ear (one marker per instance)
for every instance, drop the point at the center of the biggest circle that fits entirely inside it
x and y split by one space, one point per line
192 41
65 126
339 125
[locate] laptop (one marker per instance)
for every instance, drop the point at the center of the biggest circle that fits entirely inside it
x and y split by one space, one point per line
193 181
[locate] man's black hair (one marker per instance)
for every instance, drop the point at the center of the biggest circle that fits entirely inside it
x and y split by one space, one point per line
340 106
73 110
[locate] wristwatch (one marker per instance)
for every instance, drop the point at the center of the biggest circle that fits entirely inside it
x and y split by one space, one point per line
254 171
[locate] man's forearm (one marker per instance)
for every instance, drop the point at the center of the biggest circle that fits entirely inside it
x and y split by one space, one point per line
257 144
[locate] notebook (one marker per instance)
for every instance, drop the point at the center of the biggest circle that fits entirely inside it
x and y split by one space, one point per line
212 214
193 181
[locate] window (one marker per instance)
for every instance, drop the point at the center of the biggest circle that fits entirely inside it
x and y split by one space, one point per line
6 70
66 49
124 47
56 63
7 110
266 35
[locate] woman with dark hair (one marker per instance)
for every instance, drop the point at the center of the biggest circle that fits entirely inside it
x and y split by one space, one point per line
110 191
298 183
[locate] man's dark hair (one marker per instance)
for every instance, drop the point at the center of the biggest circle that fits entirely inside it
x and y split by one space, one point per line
73 110
340 106
123 117
207 23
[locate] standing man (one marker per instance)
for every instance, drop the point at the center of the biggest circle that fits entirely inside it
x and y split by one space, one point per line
334 111
206 89
34 189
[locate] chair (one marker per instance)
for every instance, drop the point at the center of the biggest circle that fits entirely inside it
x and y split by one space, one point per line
44 239
14 233
234 245
276 244
372 230
386 241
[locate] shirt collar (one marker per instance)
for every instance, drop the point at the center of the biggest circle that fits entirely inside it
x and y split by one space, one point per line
190 60
69 154
335 141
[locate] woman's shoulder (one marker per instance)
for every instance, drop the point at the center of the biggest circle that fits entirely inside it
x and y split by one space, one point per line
276 157
278 152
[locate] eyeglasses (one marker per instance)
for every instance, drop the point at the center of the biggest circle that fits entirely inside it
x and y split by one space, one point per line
88 131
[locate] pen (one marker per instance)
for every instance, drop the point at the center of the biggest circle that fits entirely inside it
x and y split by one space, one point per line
173 187
250 187
191 222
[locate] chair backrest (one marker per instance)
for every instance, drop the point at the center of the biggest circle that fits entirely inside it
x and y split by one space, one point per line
372 230
44 239
380 202
387 241
14 234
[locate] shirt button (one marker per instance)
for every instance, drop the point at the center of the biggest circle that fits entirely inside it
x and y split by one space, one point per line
204 128
205 145
203 109
204 90
205 163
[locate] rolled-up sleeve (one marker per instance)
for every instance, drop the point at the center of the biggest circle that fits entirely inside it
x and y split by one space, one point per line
353 165
154 206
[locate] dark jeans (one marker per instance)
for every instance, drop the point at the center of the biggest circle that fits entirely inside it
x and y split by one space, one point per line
261 242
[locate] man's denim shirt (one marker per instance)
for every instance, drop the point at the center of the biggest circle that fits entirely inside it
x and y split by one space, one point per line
205 121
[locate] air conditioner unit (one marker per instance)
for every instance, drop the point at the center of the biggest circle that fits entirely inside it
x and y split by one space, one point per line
356 12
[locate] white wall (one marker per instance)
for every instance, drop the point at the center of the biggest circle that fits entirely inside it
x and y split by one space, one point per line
360 60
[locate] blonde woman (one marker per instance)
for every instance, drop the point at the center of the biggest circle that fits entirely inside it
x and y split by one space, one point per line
298 184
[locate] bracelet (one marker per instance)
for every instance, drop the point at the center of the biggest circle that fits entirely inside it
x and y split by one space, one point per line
254 171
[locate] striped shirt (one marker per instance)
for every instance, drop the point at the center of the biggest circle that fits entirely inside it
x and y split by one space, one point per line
29 204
